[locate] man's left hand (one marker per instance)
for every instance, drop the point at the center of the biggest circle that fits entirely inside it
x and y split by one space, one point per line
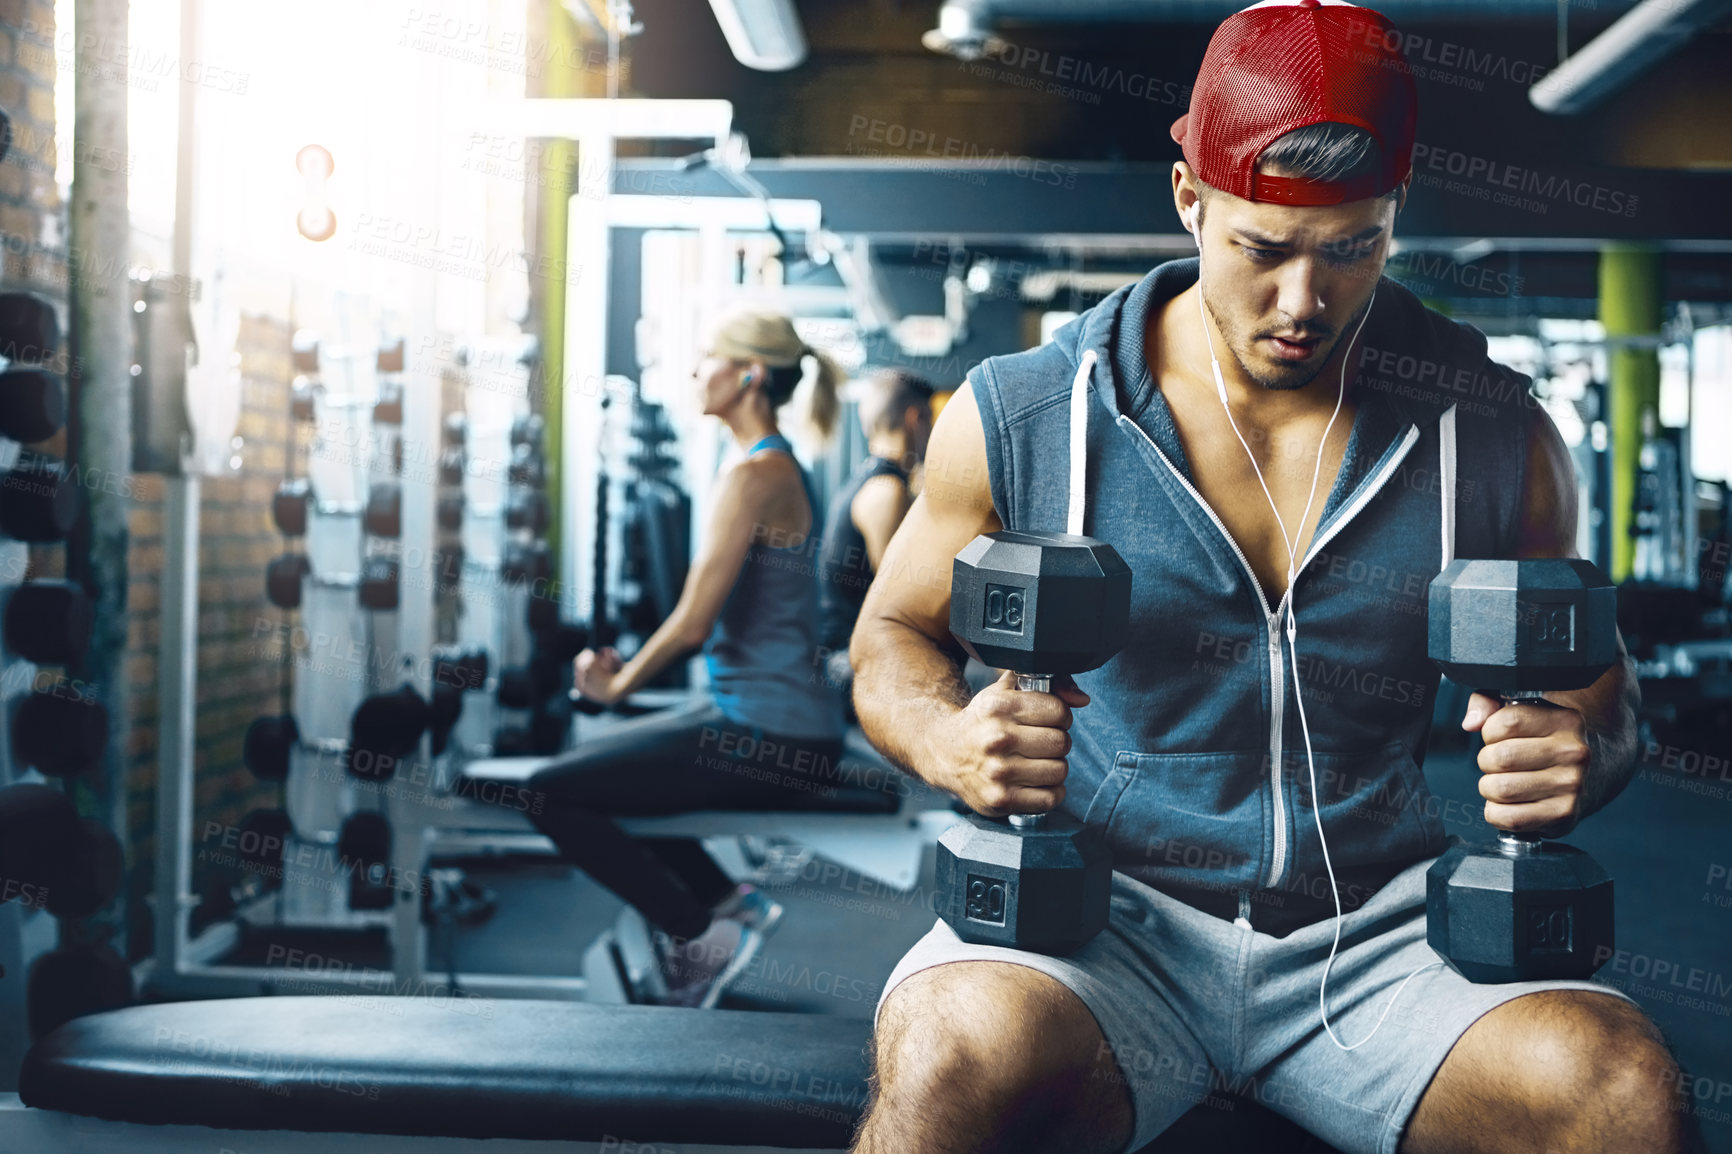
1534 764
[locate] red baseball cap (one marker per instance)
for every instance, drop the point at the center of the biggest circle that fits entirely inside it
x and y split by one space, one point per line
1280 65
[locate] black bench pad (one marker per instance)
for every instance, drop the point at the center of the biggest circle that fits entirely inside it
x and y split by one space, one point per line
844 794
469 1068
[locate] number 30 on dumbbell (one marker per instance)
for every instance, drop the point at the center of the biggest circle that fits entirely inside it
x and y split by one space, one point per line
1043 605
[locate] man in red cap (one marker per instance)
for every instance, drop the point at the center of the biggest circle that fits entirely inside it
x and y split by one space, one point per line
1285 448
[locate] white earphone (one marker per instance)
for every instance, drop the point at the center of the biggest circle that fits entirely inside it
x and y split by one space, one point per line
1193 219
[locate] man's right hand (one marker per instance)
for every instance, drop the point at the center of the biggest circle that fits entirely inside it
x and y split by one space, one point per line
1004 752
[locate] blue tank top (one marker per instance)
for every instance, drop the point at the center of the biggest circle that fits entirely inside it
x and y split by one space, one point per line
763 654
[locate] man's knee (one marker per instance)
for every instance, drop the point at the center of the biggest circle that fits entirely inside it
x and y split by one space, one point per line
1600 1055
983 1036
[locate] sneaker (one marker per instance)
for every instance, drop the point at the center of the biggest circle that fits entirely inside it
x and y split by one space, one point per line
754 908
699 970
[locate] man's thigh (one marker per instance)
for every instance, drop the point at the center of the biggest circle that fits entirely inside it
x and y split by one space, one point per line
1153 1053
1360 1099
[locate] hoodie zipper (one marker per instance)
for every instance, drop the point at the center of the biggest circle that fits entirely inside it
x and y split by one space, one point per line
1272 621
1278 681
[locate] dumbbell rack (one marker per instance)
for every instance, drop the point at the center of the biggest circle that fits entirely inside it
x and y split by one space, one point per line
345 462
491 617
45 623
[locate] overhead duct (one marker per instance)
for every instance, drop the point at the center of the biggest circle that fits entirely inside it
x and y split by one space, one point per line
1644 35
762 34
969 28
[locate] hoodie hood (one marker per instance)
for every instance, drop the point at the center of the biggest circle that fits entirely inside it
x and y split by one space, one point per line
1415 387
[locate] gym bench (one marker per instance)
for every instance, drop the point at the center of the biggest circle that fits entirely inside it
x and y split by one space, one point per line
392 1075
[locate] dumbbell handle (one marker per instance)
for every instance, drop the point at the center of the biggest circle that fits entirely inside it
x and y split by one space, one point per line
1039 683
1511 843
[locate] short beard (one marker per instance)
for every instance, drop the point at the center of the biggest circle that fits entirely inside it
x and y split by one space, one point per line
1290 381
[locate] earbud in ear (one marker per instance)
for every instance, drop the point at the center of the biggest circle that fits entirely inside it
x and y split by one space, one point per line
1195 220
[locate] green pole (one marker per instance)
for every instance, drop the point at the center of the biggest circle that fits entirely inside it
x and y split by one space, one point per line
564 77
1630 306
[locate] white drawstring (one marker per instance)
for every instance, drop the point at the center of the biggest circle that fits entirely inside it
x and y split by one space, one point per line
1446 481
1079 432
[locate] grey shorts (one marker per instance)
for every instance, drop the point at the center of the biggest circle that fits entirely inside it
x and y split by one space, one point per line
1198 1008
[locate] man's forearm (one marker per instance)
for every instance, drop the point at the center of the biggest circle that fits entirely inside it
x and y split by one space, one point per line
1608 706
905 685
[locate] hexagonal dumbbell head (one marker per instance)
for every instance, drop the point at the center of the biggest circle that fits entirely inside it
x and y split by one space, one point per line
1043 889
1042 603
1511 627
1507 915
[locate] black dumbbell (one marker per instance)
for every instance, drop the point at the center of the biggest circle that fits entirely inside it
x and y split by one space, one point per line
543 613
528 467
465 669
48 622
451 463
527 509
364 846
29 328
263 836
32 404
269 745
39 833
526 561
1524 908
74 981
60 729
289 507
283 578
448 511
385 729
5 134
444 710
455 430
38 502
91 875
550 723
517 687
560 644
384 513
528 429
1042 604
512 741
447 561
380 586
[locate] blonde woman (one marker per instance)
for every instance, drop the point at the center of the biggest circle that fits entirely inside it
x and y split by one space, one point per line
766 726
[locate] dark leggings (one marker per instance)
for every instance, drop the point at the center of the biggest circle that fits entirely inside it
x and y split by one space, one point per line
675 761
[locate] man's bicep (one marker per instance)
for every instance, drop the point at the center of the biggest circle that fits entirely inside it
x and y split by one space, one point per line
912 584
1547 525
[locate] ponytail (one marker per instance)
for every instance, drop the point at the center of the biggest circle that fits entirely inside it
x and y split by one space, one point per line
824 403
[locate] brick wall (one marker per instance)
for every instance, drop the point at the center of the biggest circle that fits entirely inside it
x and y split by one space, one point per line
238 538
30 210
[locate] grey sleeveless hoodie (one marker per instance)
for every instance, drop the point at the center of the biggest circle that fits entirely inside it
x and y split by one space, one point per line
1191 754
